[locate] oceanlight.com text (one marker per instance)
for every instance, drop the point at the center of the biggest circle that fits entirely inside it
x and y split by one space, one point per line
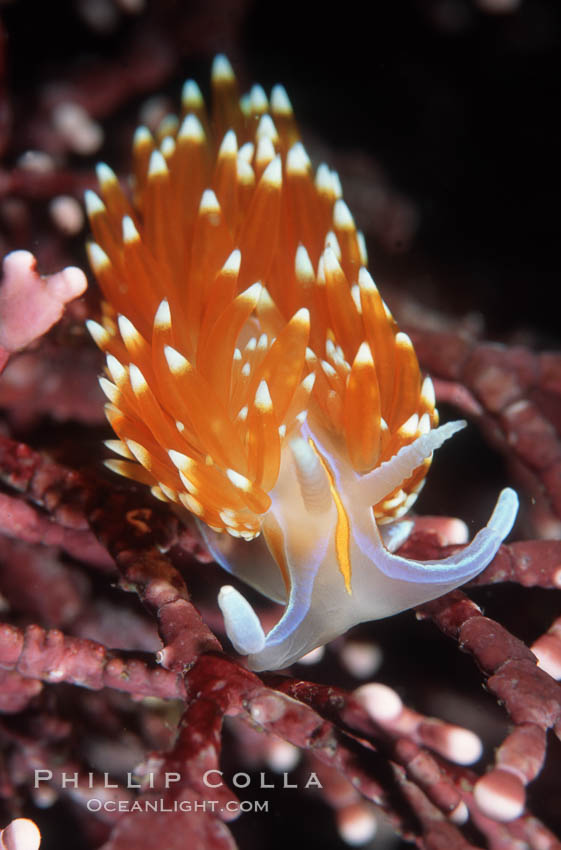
160 805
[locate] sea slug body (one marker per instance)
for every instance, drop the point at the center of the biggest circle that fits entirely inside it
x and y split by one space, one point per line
256 378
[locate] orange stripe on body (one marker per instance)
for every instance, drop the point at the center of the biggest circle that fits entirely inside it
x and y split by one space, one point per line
343 528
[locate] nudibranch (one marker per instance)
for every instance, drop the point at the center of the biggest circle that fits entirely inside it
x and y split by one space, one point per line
257 380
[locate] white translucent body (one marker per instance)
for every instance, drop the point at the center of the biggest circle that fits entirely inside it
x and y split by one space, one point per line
304 516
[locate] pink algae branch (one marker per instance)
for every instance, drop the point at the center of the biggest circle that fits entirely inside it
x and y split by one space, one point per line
31 304
51 656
